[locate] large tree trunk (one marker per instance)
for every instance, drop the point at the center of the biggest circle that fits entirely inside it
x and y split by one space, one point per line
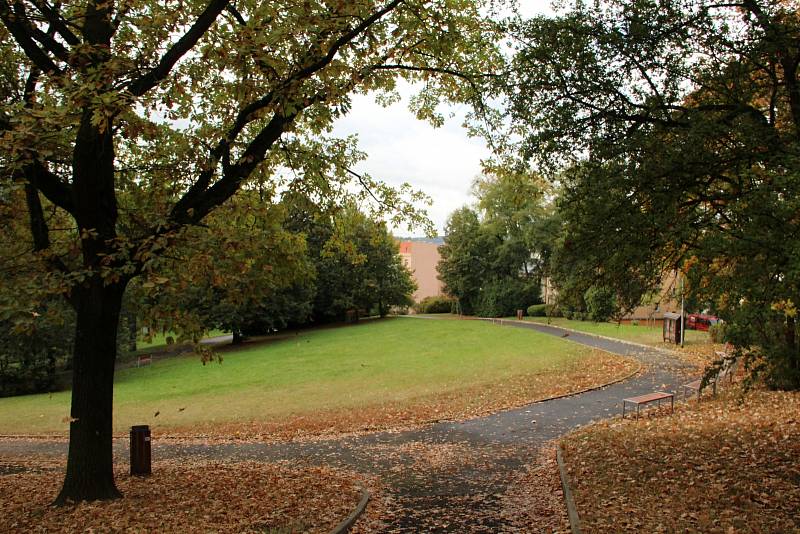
90 470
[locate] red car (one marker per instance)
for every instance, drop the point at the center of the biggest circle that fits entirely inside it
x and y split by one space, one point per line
700 321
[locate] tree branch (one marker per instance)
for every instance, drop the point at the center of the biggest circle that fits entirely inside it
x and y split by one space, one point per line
23 33
199 199
35 173
143 84
46 39
346 38
57 22
52 187
235 12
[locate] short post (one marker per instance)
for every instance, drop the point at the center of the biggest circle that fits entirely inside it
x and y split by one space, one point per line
140 450
519 315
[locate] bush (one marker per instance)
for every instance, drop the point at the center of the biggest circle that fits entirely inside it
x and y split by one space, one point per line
601 304
580 316
439 304
502 298
538 310
554 311
32 360
717 332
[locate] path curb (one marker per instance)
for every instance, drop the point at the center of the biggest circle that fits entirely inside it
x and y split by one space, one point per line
348 522
598 336
587 390
572 512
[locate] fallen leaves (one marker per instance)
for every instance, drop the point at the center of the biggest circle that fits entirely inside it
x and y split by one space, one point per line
700 355
534 500
183 497
727 464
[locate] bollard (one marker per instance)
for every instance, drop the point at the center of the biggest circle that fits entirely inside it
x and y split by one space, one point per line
140 450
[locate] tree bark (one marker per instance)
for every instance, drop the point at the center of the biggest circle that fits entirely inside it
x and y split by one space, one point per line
791 345
238 338
90 470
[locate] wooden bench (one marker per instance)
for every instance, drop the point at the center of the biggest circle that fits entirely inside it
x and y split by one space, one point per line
658 396
727 370
144 360
692 387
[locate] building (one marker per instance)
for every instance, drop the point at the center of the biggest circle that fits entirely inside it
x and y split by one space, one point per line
652 309
422 257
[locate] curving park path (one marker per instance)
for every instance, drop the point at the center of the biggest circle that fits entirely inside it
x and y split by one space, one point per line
451 476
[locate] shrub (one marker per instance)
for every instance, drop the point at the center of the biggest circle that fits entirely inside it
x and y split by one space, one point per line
33 359
438 304
717 332
580 316
500 298
634 323
538 310
554 311
601 304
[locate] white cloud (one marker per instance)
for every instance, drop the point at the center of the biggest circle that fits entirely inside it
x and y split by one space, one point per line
442 162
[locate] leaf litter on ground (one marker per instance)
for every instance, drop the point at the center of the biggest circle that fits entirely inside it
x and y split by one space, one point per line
725 464
187 496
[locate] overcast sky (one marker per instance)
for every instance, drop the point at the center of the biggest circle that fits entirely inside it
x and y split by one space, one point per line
442 162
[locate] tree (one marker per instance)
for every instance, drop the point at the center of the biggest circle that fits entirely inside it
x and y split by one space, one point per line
235 272
487 263
675 126
463 261
136 120
356 261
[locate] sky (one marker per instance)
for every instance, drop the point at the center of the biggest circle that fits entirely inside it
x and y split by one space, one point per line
442 162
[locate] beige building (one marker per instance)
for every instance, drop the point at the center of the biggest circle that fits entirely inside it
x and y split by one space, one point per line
652 309
421 258
664 301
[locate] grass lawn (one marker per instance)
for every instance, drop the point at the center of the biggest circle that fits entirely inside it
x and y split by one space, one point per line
372 375
722 465
646 335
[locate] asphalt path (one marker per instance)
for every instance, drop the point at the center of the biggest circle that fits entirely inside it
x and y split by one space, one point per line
449 476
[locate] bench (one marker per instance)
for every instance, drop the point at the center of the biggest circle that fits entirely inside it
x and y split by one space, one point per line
144 360
692 387
658 396
727 370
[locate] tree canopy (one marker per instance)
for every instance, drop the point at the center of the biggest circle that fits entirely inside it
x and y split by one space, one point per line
676 126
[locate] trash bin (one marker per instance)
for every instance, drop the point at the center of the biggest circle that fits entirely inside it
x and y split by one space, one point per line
140 450
519 315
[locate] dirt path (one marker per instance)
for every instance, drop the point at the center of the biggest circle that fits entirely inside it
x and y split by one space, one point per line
452 476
